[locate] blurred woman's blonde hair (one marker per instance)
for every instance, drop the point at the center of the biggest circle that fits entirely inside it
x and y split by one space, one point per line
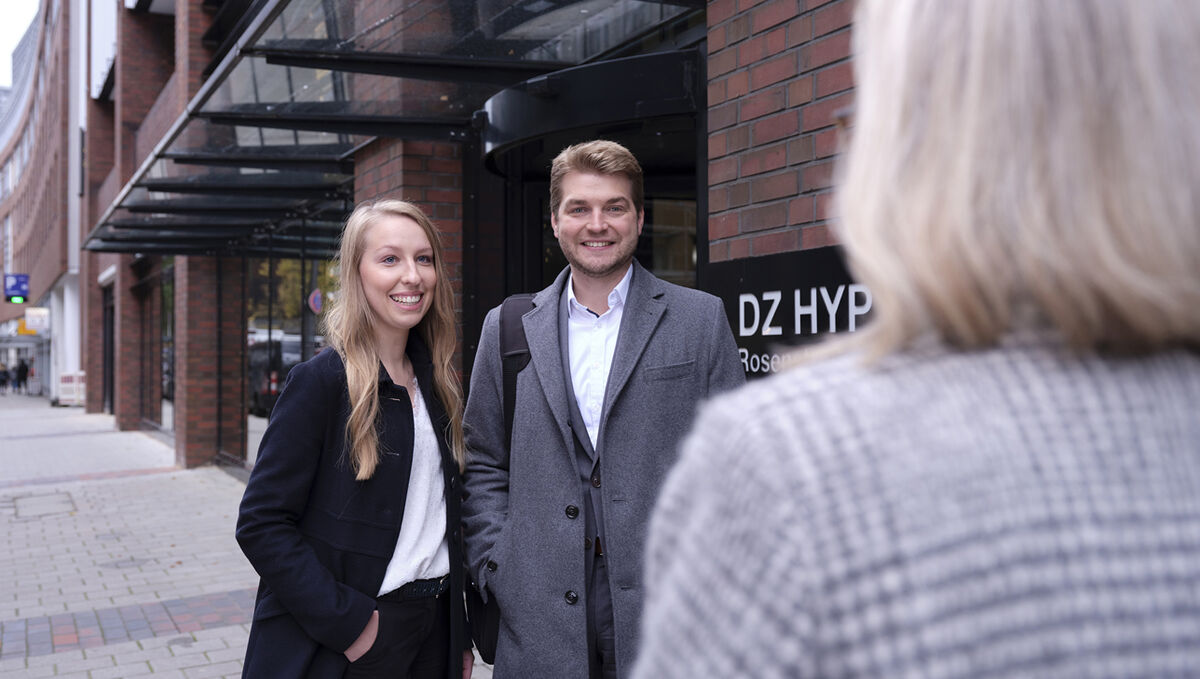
350 330
1021 159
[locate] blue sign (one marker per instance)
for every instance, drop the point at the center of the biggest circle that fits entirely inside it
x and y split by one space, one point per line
16 287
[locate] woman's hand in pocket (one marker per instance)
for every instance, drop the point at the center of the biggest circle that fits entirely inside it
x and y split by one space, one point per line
365 640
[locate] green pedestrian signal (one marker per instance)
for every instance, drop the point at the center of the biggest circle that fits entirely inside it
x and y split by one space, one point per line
16 287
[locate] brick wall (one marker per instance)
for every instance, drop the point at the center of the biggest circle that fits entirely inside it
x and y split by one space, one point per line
159 118
196 332
99 156
232 389
98 166
144 62
129 306
191 56
92 311
430 175
777 70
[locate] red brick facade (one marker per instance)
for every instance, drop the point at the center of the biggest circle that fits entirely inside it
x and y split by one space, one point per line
209 399
127 330
777 71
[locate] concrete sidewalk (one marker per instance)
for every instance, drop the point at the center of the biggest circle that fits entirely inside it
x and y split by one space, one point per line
114 562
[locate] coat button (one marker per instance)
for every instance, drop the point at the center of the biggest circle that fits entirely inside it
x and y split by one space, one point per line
571 597
595 480
491 566
572 511
587 544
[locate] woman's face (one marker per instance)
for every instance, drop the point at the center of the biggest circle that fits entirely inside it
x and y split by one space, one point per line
397 273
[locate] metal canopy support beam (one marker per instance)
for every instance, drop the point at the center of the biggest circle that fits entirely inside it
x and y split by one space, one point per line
267 213
375 126
203 206
299 190
349 124
151 224
174 235
223 249
267 162
308 54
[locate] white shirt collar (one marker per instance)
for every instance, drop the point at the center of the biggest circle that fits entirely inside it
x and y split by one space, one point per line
616 298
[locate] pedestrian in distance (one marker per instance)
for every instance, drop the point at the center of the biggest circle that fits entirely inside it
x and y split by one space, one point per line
3 380
1001 476
618 361
351 514
21 382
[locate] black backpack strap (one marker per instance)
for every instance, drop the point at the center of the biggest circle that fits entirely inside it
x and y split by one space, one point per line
514 353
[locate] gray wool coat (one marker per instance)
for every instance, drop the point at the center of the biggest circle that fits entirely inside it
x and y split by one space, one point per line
675 349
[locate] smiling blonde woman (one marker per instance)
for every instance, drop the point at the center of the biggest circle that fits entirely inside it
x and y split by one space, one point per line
351 515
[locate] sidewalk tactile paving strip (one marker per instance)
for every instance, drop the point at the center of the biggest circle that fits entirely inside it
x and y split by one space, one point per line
87 629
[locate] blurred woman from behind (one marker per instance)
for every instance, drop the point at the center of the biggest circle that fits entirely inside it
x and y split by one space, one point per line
1001 476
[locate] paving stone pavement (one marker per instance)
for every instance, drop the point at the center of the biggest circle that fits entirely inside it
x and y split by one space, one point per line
114 562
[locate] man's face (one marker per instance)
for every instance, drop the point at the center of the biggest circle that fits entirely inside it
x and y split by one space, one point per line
596 225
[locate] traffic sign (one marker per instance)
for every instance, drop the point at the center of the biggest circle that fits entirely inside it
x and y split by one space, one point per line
16 288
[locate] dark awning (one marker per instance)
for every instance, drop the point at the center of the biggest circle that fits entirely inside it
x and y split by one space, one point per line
262 160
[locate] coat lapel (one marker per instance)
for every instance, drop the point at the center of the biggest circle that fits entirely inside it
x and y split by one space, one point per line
643 311
545 353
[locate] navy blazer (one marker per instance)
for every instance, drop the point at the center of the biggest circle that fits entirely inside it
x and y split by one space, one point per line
320 540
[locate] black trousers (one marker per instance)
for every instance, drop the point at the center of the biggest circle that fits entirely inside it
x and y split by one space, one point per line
602 649
413 641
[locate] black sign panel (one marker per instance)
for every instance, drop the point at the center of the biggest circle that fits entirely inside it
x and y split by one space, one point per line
783 300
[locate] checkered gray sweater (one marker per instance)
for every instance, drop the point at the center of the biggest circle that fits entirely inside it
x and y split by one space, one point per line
1009 513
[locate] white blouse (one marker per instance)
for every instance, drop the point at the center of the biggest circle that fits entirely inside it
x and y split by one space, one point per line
421 550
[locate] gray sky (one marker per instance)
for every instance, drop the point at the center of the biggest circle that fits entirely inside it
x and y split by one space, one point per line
18 14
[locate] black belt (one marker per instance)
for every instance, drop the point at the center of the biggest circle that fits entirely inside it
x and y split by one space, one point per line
418 589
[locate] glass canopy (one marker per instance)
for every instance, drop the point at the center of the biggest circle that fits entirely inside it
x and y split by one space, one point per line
263 158
549 32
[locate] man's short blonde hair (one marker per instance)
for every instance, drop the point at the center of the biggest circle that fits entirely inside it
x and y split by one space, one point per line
600 157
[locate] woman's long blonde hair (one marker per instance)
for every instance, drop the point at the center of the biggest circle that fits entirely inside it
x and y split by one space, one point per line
350 329
1013 155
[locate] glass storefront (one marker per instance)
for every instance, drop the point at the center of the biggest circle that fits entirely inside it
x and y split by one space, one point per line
285 299
167 342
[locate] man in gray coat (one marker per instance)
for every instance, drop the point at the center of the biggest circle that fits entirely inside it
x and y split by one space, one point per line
554 525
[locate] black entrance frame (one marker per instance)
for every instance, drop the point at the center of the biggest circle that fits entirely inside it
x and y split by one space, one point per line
521 128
